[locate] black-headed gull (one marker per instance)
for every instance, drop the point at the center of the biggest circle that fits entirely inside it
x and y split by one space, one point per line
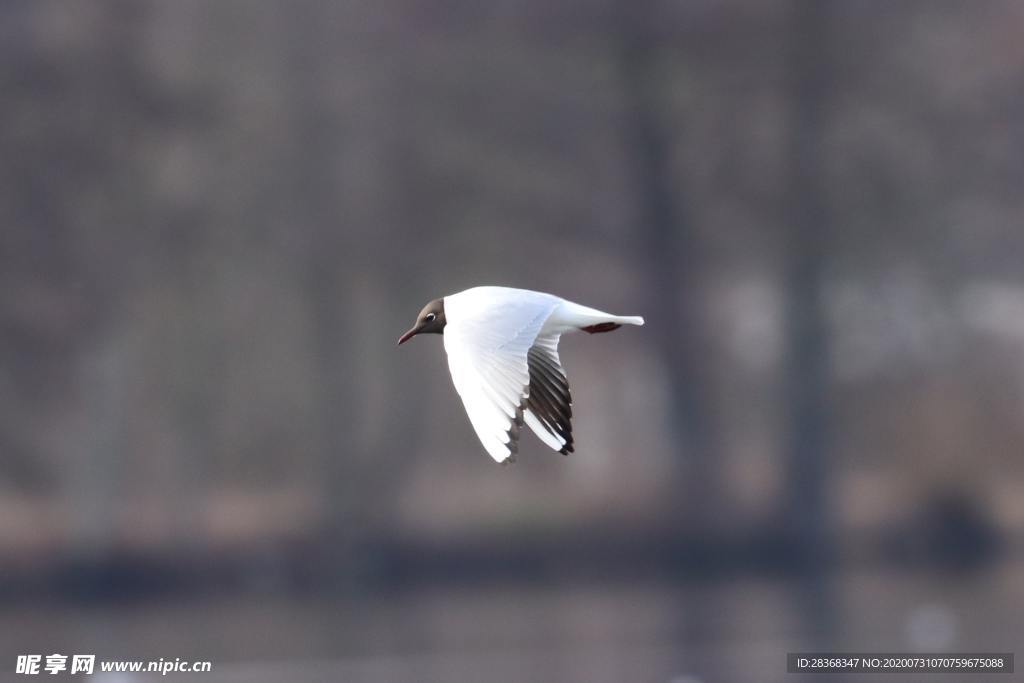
502 346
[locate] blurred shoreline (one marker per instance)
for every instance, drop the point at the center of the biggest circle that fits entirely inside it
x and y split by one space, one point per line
952 547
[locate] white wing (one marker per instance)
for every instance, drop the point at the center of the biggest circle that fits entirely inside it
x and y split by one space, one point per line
488 337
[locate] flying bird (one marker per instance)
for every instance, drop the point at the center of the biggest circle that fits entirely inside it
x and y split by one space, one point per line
502 346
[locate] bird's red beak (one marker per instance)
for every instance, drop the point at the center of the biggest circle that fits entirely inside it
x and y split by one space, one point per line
408 335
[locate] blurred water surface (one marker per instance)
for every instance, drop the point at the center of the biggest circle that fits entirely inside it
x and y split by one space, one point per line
737 629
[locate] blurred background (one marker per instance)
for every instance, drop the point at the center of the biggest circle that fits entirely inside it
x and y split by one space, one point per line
217 218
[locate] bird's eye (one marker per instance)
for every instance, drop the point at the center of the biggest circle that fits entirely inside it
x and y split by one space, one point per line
430 317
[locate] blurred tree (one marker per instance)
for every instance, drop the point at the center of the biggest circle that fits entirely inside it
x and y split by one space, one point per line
670 250
808 515
74 205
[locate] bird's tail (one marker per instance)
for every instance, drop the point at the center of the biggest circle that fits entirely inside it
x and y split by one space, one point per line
615 323
593 321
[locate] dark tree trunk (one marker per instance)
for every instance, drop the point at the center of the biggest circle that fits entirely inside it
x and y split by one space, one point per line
669 249
807 515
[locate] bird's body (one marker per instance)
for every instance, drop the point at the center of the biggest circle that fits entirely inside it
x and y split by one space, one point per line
502 346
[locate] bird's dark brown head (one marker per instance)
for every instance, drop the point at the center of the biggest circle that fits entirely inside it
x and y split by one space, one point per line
431 320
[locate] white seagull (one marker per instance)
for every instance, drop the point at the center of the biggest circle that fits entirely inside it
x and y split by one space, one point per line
502 346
